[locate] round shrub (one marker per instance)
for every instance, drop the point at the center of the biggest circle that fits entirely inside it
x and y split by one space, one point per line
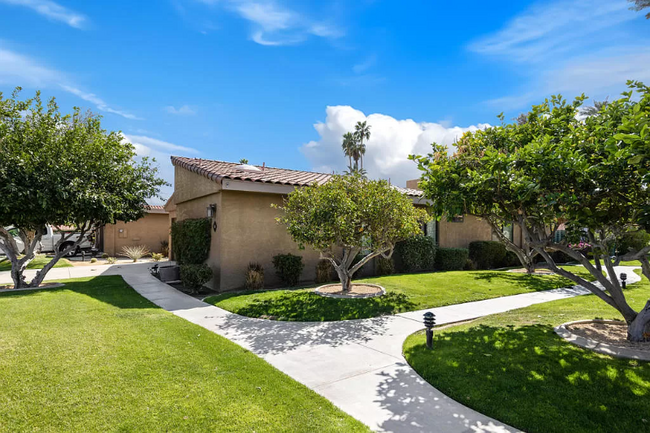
510 260
487 254
385 266
417 254
254 276
193 277
451 259
288 268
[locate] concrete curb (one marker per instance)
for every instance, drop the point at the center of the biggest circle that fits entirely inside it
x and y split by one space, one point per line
604 348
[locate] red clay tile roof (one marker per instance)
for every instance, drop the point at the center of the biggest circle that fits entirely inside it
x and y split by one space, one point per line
217 170
151 208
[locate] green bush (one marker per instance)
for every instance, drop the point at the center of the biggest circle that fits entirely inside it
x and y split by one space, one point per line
191 241
384 266
487 254
288 268
254 276
156 257
193 277
451 259
633 241
417 254
324 271
510 260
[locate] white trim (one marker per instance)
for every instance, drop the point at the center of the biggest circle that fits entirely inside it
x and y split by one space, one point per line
242 185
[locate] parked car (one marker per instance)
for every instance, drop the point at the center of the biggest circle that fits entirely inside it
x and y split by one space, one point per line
51 238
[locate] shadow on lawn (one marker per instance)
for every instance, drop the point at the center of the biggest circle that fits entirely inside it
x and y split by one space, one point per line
309 307
535 283
531 378
110 289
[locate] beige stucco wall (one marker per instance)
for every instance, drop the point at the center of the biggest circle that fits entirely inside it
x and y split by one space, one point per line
459 235
249 233
149 231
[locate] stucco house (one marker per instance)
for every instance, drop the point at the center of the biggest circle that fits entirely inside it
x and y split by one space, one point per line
239 198
149 231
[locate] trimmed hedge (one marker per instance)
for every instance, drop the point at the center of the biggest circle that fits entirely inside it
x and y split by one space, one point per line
510 260
191 241
194 277
384 266
487 254
417 254
288 268
451 259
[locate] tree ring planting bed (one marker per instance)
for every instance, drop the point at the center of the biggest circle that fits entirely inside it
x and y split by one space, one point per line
604 336
10 287
357 291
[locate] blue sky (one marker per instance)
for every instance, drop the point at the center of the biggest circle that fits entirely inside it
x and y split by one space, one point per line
280 81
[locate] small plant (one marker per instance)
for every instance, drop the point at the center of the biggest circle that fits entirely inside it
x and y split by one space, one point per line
385 266
93 260
288 268
104 256
324 271
135 252
157 257
193 277
164 248
111 260
254 276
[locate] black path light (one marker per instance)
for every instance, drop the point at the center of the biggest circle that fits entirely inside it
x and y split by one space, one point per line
623 279
429 323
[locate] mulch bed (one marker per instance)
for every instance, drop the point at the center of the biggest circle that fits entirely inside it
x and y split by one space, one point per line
611 333
356 290
42 286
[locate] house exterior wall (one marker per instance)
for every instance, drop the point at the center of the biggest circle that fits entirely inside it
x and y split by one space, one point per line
460 234
250 233
150 230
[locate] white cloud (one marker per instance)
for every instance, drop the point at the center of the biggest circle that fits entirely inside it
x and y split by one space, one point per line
101 105
52 10
390 144
274 24
160 151
185 110
19 70
568 47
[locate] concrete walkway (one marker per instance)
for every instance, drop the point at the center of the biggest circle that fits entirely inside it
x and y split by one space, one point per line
356 364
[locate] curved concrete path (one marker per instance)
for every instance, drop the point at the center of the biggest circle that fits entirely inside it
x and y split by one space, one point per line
356 364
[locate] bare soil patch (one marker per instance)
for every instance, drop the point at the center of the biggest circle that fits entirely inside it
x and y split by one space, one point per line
356 291
10 287
613 333
538 271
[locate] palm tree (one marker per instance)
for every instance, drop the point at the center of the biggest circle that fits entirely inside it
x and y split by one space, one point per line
640 5
349 145
362 131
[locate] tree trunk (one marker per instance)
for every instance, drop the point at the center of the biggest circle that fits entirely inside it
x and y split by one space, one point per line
639 329
345 277
17 276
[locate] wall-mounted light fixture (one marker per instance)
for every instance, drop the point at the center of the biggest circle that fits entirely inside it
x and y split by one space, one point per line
212 210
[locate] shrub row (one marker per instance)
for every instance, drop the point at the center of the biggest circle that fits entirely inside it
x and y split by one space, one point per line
417 254
487 254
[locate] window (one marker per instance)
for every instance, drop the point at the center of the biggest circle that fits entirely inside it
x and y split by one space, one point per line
508 232
458 219
431 230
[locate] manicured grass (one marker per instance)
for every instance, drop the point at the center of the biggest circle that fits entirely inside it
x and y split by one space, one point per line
514 368
39 261
96 356
403 293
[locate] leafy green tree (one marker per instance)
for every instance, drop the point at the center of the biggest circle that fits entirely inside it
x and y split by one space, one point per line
639 5
348 215
63 170
243 161
556 170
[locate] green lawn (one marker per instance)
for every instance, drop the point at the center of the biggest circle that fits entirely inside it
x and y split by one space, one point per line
514 368
406 292
39 261
96 356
